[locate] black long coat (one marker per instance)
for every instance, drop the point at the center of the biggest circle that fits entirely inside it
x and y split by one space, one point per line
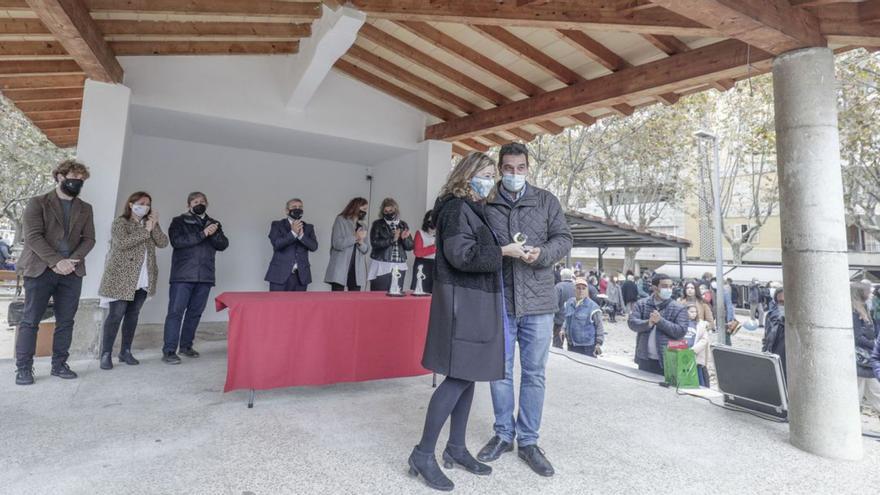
466 329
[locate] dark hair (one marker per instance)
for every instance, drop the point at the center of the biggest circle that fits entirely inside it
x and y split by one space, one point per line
426 222
776 295
659 278
68 166
389 202
697 293
126 213
513 149
353 207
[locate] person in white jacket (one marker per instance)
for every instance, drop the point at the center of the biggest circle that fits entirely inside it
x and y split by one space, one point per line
697 338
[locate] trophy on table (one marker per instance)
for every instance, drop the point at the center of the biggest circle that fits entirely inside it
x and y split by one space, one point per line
420 277
394 290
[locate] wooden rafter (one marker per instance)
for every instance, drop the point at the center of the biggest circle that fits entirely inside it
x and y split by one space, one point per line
700 66
284 30
34 67
44 105
559 14
843 24
72 25
204 47
404 50
271 8
771 25
19 95
41 81
673 46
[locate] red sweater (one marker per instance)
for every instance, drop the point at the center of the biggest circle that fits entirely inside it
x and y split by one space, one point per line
421 250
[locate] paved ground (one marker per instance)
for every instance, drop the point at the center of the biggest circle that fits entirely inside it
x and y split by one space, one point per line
169 429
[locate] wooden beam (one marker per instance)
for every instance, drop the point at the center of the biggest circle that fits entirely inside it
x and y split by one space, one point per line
42 115
19 95
623 109
475 145
669 98
559 14
73 27
458 150
771 25
584 118
523 134
23 27
842 24
717 61
61 132
57 124
33 49
594 50
43 81
204 47
33 67
525 50
869 11
407 77
118 27
404 50
382 84
669 45
43 105
454 47
723 85
270 8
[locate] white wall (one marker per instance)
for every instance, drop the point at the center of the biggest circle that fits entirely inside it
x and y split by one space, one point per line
246 190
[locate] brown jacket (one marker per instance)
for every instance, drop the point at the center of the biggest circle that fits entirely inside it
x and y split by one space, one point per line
44 229
130 241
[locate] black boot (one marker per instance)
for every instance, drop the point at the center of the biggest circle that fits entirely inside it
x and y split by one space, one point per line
106 361
455 454
126 357
426 465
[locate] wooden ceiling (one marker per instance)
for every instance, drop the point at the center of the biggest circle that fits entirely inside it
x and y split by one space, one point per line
487 71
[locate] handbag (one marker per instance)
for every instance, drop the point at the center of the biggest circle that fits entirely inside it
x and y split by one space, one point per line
15 312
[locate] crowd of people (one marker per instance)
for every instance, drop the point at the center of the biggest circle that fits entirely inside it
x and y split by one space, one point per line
488 248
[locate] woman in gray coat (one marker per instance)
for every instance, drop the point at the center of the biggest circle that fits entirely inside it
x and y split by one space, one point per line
466 329
349 245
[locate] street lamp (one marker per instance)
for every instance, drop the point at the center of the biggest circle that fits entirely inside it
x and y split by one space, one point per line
719 248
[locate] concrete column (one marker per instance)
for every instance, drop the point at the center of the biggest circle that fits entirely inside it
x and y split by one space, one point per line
103 133
436 162
332 36
825 416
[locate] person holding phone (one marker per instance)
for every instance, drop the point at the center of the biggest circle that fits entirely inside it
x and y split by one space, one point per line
348 248
390 239
59 231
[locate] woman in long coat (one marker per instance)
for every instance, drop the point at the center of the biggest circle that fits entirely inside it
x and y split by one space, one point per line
348 248
466 331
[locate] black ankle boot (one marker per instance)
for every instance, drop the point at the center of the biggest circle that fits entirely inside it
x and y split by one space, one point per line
455 454
126 357
426 465
106 361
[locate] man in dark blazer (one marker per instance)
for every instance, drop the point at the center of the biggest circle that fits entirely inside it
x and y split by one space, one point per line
291 239
59 232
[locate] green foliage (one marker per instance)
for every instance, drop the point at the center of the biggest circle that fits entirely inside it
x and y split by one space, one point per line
27 158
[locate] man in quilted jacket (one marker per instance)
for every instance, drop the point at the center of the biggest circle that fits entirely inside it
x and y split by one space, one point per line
521 212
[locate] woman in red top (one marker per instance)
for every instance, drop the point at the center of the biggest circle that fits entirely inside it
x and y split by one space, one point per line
424 252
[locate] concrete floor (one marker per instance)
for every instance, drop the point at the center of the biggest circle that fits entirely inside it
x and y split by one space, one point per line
156 428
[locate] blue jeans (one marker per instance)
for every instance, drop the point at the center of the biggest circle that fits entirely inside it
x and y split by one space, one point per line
534 334
186 302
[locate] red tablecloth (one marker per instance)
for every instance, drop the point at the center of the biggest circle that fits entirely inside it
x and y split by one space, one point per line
286 339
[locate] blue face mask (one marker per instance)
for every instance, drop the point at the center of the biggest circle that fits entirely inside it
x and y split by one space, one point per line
665 294
513 182
782 311
482 186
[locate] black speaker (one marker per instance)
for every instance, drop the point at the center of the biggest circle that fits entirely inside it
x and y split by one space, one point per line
750 380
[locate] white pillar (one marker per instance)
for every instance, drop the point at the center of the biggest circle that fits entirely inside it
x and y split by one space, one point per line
825 416
332 36
435 164
103 131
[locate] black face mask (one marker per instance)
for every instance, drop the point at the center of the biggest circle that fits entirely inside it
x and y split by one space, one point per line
295 213
362 215
71 187
389 216
199 209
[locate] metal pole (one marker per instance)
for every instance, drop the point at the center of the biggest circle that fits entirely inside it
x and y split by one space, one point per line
719 248
681 266
600 261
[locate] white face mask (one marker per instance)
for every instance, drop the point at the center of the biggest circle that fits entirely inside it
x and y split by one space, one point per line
140 211
513 182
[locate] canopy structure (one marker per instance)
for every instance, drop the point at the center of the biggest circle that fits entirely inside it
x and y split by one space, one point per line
590 231
486 72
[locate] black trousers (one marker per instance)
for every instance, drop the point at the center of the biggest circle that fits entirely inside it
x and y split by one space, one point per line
291 285
126 313
341 288
651 366
64 290
586 350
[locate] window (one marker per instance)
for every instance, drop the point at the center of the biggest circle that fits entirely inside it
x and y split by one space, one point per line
737 230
